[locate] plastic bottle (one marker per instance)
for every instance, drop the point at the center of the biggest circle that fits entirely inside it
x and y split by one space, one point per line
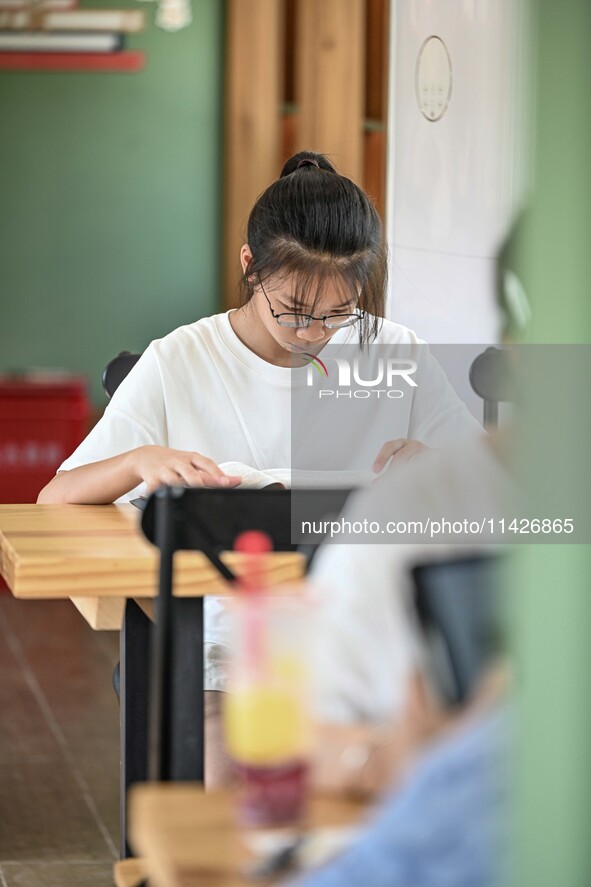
266 718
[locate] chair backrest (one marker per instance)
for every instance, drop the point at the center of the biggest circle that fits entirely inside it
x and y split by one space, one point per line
459 607
116 370
492 380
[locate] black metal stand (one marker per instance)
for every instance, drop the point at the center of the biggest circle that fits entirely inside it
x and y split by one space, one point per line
133 708
177 723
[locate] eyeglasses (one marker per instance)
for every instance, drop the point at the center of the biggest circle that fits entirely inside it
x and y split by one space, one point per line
302 321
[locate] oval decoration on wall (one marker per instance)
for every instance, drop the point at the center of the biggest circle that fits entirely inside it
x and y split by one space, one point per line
433 79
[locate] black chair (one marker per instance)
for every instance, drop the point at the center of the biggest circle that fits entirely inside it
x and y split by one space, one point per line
459 605
492 380
116 370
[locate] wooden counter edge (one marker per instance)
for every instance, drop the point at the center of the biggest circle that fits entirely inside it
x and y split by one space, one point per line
129 872
101 613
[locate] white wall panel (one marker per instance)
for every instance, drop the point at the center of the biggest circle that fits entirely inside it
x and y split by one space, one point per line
453 181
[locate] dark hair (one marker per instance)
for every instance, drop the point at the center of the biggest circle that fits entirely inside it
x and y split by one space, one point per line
316 225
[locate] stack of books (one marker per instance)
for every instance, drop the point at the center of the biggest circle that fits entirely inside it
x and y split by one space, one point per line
56 35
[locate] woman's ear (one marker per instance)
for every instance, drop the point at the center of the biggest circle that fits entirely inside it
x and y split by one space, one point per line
245 257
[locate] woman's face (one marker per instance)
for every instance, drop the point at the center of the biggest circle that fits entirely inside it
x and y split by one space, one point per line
276 298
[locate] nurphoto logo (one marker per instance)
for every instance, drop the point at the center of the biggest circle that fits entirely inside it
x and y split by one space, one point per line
386 372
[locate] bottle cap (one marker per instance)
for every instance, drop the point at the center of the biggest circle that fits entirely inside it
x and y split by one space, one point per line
253 542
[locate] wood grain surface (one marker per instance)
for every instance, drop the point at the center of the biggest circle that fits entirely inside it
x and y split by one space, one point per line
92 552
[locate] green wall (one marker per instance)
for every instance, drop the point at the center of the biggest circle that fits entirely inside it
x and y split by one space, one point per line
552 596
110 200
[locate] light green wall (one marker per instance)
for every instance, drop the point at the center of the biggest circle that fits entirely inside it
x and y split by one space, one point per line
552 597
110 200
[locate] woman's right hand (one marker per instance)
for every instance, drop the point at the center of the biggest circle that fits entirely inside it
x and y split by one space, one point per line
156 466
98 483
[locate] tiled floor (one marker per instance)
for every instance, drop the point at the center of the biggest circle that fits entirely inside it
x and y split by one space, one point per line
59 752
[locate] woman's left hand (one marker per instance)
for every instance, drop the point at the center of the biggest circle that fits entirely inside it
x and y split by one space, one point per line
399 451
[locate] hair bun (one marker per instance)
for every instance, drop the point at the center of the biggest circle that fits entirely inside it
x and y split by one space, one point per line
306 158
308 162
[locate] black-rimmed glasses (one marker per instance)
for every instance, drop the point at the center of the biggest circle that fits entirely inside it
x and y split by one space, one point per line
302 321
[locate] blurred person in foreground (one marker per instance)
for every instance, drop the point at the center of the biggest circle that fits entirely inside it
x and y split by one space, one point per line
443 818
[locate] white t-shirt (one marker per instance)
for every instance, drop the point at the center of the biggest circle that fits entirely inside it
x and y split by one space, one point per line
367 640
201 389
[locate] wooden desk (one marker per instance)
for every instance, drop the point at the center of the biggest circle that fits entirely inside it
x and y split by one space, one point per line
96 555
186 837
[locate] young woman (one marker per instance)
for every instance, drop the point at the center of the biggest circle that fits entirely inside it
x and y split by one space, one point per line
314 271
219 389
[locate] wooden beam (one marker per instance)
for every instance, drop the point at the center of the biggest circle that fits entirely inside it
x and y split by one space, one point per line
101 613
330 81
376 101
254 72
377 23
